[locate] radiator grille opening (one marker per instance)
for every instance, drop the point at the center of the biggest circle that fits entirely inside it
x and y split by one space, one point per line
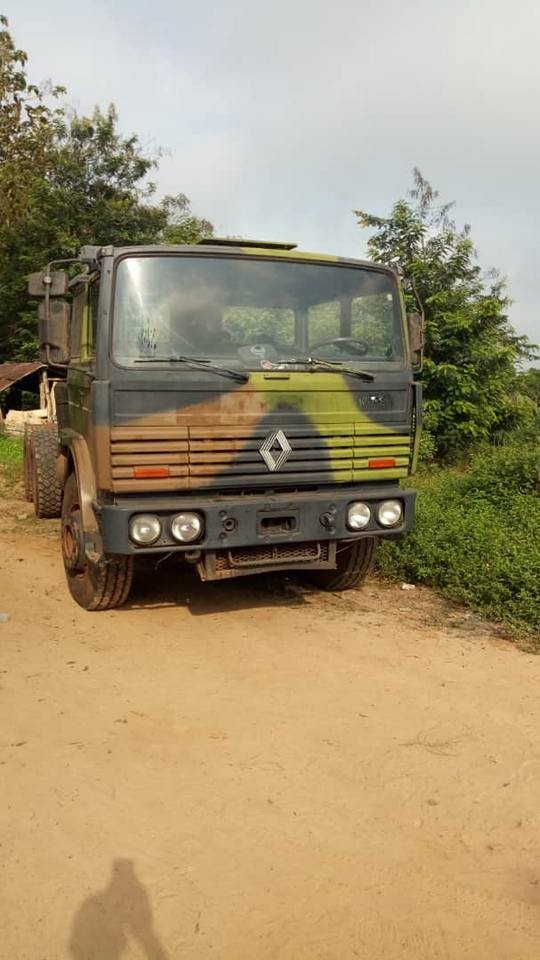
268 554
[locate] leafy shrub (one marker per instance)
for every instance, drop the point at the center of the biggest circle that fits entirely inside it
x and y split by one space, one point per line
512 468
476 537
428 447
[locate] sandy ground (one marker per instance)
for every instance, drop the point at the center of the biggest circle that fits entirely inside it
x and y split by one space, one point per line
250 771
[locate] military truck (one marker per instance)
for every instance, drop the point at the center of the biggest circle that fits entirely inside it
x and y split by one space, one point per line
243 406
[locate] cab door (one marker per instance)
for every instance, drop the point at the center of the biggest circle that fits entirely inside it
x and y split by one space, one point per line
81 372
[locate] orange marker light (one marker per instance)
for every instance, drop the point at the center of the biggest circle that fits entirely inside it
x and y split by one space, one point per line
151 473
381 462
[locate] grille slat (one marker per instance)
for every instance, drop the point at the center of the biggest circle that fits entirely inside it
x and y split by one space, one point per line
229 457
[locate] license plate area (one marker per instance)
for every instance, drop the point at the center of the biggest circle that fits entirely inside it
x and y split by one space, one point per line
278 524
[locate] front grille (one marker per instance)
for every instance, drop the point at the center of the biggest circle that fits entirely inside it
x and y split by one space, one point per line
191 458
264 555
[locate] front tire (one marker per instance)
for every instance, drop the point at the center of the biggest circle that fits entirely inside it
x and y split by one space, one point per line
94 585
353 563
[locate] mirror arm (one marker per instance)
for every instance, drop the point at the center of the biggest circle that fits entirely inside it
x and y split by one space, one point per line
53 363
418 300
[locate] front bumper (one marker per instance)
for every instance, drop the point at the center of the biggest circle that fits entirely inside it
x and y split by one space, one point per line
251 520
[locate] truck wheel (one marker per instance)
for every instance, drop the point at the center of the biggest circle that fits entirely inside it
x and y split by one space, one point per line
46 491
354 562
28 466
93 585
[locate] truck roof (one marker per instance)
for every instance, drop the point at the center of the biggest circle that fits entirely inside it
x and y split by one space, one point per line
213 246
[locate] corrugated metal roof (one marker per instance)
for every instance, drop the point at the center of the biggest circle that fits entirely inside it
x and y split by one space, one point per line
13 372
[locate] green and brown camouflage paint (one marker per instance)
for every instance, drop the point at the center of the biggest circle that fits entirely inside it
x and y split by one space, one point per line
207 434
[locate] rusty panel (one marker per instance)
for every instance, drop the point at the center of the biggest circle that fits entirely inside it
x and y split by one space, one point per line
11 373
152 432
147 459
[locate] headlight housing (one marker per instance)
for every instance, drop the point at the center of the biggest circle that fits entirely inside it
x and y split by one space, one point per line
358 516
186 527
145 529
390 513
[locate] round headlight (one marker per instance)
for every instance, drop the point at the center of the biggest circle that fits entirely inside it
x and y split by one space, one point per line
358 516
186 527
390 513
145 529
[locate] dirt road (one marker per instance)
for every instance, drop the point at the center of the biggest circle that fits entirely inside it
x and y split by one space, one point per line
248 771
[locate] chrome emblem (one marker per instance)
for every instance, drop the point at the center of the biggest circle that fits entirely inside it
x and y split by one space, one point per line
275 450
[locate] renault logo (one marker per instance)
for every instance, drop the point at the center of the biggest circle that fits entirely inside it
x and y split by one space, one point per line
275 450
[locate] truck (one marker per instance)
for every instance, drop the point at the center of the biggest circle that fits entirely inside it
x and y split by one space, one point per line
243 406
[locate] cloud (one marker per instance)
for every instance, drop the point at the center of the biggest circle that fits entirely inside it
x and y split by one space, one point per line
279 119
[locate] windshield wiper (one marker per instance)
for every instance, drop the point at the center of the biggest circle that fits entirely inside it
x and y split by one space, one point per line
316 363
199 363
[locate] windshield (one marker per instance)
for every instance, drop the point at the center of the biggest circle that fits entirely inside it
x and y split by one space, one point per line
254 313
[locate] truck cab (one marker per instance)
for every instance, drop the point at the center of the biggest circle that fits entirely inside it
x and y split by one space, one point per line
247 407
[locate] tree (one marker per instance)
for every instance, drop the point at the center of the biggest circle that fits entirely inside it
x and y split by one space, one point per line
28 129
68 180
470 379
529 383
180 224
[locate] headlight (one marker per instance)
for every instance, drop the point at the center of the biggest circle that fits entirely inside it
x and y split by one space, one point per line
145 529
390 513
358 516
186 527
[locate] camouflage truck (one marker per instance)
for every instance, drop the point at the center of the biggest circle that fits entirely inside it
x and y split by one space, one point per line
243 406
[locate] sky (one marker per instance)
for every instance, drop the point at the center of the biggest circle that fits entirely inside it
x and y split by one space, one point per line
279 118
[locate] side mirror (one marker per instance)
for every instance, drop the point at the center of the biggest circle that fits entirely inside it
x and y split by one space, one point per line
54 332
416 327
56 282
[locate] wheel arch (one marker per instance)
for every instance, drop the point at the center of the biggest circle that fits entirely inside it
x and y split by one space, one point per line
78 461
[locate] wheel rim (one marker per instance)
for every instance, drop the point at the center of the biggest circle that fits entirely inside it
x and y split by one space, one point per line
73 541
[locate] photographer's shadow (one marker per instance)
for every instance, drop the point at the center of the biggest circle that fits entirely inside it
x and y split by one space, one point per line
106 920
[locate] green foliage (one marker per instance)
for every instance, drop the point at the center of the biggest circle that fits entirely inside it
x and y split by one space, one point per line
476 537
428 447
245 323
11 456
472 390
529 385
28 127
65 181
495 472
179 224
11 450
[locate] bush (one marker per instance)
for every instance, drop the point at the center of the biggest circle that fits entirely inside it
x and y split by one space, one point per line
512 468
476 537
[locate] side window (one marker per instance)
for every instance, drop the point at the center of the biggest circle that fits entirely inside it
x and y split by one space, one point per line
90 298
77 311
93 301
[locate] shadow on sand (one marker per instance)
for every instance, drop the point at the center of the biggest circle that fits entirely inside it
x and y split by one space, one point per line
106 920
175 584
